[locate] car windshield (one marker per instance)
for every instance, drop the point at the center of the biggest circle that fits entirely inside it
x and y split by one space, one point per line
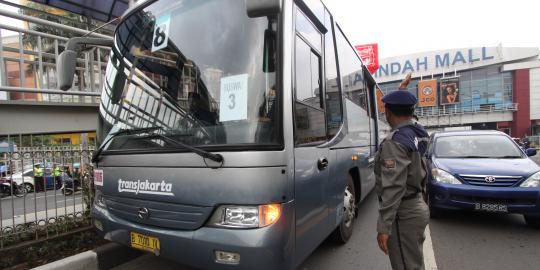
476 146
210 84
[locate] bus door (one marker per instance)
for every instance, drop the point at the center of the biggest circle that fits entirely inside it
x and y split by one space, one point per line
311 160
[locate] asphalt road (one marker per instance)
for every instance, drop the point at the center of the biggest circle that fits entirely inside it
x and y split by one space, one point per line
13 206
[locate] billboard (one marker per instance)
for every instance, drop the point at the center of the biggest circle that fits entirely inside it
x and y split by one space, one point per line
449 90
369 53
427 93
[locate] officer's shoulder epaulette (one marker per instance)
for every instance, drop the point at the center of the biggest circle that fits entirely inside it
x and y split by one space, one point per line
406 137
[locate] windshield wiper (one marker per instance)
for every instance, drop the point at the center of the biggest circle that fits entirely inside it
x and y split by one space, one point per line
508 157
95 156
198 151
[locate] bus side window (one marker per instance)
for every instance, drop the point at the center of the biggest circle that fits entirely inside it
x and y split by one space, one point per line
334 113
309 114
354 89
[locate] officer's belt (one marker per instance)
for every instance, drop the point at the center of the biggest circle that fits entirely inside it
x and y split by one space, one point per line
408 197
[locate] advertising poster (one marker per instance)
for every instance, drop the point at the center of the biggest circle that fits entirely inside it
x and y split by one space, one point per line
380 105
449 90
427 93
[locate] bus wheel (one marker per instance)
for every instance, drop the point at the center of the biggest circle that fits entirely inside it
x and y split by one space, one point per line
344 231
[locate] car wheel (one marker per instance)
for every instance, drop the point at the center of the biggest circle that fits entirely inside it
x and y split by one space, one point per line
20 191
29 187
344 231
533 221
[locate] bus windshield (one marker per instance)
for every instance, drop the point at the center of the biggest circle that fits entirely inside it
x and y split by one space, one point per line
201 72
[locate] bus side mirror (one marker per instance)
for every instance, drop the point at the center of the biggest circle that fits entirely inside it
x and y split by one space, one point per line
65 68
269 61
67 60
531 152
262 8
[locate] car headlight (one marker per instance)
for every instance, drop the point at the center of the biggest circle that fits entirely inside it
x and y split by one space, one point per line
244 217
444 177
533 181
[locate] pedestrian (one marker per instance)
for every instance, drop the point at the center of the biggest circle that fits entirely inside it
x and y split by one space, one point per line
401 174
38 178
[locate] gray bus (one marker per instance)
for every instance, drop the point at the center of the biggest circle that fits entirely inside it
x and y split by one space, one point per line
234 134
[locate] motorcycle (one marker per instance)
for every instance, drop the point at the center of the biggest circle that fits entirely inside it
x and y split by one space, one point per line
69 185
8 188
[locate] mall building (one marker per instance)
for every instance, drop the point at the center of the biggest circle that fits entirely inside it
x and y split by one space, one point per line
471 88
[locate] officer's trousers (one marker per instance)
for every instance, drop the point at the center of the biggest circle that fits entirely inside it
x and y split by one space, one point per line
405 246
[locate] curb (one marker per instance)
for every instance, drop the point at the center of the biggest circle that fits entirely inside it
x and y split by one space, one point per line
101 258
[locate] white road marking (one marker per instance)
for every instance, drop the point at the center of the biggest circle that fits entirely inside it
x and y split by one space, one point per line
429 254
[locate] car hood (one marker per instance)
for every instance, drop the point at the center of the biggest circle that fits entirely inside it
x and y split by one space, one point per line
488 166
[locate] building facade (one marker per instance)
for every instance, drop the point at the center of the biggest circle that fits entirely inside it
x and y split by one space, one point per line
477 88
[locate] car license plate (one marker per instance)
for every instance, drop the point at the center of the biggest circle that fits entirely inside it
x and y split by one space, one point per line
144 242
491 207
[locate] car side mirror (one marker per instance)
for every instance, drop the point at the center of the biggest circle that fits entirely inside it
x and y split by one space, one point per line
262 8
531 152
67 60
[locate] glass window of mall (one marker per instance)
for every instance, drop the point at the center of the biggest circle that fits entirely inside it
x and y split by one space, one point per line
481 89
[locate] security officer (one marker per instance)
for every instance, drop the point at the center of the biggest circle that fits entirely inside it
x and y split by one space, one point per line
400 170
57 174
38 178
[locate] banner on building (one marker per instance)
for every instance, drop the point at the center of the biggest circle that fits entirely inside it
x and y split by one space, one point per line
369 53
380 105
427 93
449 90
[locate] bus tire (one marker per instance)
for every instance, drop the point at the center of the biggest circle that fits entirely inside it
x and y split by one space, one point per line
344 231
532 221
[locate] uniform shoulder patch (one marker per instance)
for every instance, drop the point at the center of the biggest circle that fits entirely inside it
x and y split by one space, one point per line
389 163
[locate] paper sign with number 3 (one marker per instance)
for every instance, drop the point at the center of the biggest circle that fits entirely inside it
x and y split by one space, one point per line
233 98
161 32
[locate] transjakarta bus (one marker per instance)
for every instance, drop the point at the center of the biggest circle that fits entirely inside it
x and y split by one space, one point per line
234 134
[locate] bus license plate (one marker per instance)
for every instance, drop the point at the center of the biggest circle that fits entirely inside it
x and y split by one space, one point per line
491 207
144 242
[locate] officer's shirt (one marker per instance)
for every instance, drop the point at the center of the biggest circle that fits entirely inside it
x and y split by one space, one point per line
399 170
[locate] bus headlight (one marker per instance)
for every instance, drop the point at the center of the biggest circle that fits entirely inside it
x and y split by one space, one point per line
444 177
533 181
246 217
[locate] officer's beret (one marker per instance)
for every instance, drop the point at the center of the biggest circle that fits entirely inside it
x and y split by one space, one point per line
400 98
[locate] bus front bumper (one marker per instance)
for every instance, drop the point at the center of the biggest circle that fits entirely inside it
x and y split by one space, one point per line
270 247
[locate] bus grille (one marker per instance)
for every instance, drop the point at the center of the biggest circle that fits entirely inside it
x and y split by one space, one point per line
160 214
498 181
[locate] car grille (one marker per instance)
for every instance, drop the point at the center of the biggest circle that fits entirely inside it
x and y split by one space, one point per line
160 214
499 181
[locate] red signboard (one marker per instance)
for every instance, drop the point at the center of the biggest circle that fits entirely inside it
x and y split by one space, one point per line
369 53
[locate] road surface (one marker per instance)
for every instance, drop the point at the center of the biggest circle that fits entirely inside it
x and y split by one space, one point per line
35 204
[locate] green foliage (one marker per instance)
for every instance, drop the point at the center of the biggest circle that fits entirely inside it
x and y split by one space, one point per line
50 250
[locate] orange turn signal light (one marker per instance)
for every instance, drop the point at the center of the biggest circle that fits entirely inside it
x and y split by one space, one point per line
354 157
269 214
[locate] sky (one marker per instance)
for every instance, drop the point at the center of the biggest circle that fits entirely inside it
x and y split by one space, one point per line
405 27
